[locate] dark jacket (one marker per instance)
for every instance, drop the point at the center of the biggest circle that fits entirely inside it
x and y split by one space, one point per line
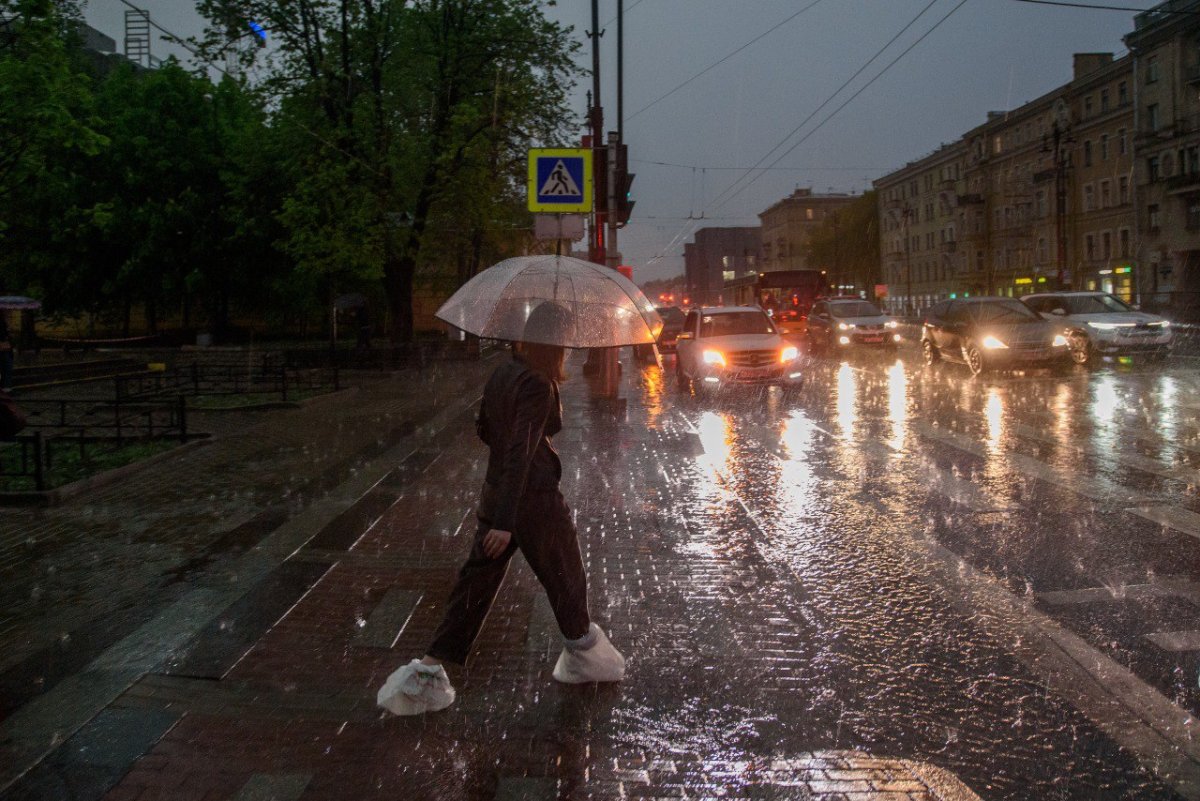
520 412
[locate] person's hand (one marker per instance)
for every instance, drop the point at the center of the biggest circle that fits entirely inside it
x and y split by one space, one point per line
495 542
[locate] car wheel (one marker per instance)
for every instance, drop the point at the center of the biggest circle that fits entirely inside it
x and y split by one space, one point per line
932 356
974 358
681 380
1082 351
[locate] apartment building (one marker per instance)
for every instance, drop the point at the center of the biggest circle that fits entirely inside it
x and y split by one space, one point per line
718 255
787 227
1165 48
920 221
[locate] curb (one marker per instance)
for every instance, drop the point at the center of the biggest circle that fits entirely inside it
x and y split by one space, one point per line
54 497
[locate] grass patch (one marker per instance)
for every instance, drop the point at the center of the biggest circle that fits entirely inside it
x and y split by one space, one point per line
202 402
67 464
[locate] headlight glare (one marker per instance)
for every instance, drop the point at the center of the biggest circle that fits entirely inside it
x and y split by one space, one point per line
892 324
991 343
714 357
1060 341
789 353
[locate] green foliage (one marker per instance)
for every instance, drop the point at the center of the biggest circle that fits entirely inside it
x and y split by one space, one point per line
851 244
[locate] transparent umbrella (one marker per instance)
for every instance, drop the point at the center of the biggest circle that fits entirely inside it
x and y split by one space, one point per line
18 302
599 307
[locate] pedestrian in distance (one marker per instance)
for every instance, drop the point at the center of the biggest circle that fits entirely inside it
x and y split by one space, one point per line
520 507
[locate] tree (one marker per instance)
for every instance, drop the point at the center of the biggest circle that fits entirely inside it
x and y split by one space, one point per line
416 118
847 244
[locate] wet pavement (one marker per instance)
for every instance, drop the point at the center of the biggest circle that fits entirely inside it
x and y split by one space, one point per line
903 582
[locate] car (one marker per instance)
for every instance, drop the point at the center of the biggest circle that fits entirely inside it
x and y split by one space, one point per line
992 332
727 346
672 317
1099 324
845 322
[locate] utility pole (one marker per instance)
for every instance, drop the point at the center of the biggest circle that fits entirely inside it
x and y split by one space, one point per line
1060 139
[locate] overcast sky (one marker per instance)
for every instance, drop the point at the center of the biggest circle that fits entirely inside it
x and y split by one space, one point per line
988 55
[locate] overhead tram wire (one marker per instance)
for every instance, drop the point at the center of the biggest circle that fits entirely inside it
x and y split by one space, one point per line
848 101
824 103
781 169
711 67
1098 7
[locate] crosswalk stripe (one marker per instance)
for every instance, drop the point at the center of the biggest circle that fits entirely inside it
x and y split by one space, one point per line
1095 487
1176 640
1172 517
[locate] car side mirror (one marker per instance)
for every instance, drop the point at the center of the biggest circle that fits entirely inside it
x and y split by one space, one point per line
684 335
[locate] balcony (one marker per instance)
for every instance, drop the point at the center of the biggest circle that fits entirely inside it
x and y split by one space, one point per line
1188 182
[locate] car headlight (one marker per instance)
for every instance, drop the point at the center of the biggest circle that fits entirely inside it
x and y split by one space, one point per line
892 324
1109 326
845 326
714 357
1059 341
789 353
991 343
1161 324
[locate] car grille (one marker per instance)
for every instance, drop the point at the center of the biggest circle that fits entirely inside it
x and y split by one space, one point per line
872 328
753 358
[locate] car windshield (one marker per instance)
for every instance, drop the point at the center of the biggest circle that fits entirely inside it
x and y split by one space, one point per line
1002 311
672 316
854 309
1095 304
730 323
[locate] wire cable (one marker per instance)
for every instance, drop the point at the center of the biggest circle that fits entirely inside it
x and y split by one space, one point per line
817 110
711 67
1097 7
848 101
782 169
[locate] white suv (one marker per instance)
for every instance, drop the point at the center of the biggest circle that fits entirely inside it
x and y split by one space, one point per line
1098 324
734 345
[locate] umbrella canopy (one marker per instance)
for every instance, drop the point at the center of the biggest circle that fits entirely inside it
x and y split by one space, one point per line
9 302
595 307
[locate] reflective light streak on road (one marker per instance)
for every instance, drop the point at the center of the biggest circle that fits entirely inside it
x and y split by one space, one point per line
993 412
847 408
898 405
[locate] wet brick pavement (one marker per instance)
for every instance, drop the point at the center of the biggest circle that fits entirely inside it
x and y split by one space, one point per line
271 698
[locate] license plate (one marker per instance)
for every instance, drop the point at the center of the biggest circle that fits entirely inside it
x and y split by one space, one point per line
872 339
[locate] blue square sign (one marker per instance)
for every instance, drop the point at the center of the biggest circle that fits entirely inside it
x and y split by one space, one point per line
560 180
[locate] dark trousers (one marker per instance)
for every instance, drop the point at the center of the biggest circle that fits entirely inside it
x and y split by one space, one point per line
546 536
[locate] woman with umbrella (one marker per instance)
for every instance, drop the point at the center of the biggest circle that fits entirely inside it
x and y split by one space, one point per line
520 507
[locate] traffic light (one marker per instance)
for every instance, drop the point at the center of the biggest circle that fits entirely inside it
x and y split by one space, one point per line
624 181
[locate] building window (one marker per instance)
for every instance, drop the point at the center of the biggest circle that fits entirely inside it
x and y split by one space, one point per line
1087 153
1103 100
1123 237
1104 147
1041 204
1087 106
1106 244
1152 170
1121 141
1090 247
808 214
1089 198
1105 194
1123 189
1193 213
1152 117
1152 69
1154 217
1043 250
1122 93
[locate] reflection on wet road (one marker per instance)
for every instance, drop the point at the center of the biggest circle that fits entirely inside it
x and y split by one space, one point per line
1073 495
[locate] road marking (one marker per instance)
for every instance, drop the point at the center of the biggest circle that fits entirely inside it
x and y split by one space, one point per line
1159 587
1172 517
1097 488
1176 640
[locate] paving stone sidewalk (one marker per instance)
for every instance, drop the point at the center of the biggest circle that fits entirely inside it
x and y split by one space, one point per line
273 694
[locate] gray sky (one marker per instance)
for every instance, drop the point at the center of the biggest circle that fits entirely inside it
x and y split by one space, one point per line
989 55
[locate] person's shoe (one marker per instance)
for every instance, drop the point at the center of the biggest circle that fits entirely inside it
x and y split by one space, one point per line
590 658
416 688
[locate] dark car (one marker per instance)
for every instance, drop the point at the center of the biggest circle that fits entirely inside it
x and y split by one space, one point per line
672 317
987 333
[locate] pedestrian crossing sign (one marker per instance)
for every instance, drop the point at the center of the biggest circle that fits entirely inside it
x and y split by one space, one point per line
560 180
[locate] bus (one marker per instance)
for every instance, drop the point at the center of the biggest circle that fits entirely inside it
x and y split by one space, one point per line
786 295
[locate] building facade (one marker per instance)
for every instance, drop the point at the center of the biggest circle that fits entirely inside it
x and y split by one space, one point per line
1165 48
717 255
1033 199
787 227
